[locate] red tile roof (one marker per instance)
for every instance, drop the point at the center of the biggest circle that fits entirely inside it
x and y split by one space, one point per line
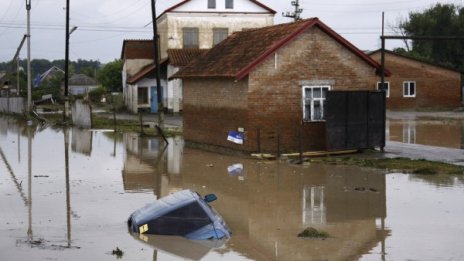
137 49
182 57
241 52
414 59
172 8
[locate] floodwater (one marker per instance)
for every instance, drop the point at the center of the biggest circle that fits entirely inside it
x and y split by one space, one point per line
447 133
67 194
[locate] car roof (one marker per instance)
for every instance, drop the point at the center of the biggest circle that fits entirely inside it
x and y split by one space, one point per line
165 205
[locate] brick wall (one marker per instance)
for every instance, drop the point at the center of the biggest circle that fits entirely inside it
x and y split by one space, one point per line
436 87
268 103
275 99
211 108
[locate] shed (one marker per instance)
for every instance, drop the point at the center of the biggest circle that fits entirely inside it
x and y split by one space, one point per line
416 84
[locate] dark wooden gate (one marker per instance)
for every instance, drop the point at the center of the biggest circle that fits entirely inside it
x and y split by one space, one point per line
355 119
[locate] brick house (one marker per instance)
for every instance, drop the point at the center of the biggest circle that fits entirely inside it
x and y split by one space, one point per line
417 84
270 84
190 24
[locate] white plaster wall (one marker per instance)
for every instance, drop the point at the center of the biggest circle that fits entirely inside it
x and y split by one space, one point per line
131 98
134 66
174 90
207 21
148 82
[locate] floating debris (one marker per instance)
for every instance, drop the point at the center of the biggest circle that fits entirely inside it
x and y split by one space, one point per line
117 252
41 176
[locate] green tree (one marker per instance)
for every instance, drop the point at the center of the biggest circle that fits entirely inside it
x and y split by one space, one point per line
110 76
439 20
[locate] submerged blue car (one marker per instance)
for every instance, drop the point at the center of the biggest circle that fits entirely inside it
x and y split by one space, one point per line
184 213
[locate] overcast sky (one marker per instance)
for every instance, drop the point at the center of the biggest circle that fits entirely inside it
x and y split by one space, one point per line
104 24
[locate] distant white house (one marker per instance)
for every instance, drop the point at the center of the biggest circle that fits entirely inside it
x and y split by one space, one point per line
191 24
81 84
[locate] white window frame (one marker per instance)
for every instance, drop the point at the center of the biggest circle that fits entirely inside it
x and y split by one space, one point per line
407 84
388 88
305 100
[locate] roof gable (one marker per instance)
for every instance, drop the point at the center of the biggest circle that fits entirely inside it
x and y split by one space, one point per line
145 72
240 53
137 49
82 79
240 6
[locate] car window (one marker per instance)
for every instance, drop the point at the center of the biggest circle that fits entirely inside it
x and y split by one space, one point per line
180 221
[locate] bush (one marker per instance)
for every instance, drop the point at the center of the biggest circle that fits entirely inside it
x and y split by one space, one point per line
96 95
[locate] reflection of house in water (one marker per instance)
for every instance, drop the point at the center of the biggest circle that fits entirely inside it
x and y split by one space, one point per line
4 126
148 161
81 141
427 132
271 203
314 211
409 132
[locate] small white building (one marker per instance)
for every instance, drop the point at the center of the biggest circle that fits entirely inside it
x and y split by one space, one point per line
81 84
190 24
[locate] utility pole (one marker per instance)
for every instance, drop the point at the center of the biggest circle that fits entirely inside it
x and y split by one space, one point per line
66 65
296 14
157 64
29 100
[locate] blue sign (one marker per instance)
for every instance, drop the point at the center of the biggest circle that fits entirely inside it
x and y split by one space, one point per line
235 137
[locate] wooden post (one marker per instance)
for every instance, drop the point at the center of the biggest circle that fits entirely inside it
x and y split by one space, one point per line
300 139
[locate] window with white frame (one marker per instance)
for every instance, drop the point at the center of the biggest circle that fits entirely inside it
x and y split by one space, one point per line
229 4
387 88
211 4
313 102
409 89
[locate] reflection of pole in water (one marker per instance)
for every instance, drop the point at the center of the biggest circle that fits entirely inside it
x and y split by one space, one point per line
13 176
29 181
19 146
383 239
114 144
68 200
161 169
155 255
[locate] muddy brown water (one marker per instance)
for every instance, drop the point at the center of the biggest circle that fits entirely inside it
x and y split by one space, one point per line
66 195
447 133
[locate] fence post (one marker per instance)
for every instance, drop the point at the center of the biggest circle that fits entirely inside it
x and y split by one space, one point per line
300 139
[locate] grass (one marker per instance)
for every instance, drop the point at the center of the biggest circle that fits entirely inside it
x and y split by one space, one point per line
313 233
422 167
